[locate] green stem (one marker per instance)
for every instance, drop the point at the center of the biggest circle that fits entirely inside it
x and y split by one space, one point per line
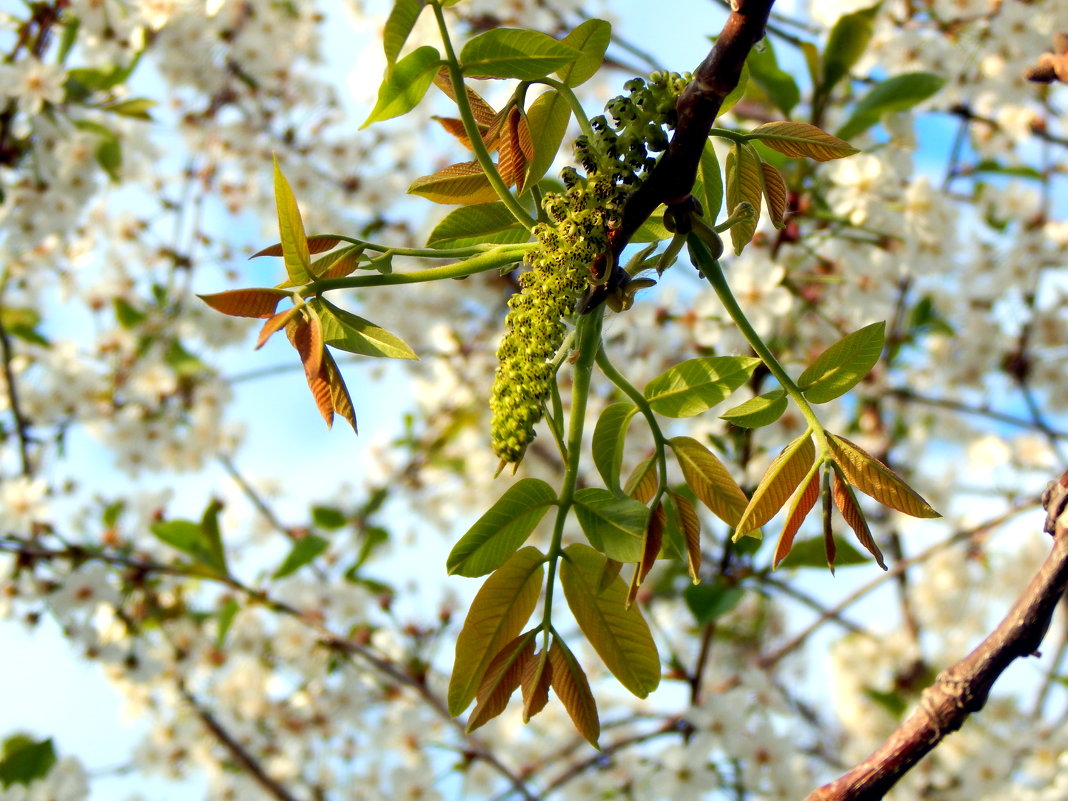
712 270
471 127
588 338
572 100
422 253
491 260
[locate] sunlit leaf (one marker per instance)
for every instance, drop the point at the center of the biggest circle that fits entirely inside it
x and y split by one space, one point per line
691 531
737 93
643 481
535 682
609 441
276 323
496 616
802 504
709 480
778 484
547 120
245 302
847 504
620 636
760 411
291 229
764 71
774 194
696 385
300 336
522 54
844 364
337 265
614 525
346 331
874 478
477 225
135 107
591 38
502 529
744 182
502 677
304 551
573 689
709 189
802 140
896 94
458 184
485 115
654 539
316 244
405 84
402 19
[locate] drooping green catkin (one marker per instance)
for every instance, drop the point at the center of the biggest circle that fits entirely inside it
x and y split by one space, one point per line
582 217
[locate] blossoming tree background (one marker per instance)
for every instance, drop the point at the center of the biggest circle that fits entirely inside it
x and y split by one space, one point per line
273 602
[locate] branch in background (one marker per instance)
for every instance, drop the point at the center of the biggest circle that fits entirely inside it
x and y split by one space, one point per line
964 687
22 427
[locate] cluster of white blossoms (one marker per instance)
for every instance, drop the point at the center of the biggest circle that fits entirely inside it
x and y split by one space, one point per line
327 680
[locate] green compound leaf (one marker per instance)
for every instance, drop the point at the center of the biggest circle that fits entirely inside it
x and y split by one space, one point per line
591 39
291 230
399 25
745 182
696 385
899 93
802 140
498 613
763 410
609 441
844 364
191 539
778 484
304 551
345 331
25 761
709 480
502 529
515 53
458 184
547 120
614 525
405 84
848 40
619 635
874 478
485 223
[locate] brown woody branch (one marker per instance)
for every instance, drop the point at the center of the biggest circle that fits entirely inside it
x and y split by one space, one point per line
964 687
672 179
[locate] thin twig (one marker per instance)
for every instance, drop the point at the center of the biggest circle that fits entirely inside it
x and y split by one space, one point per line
22 427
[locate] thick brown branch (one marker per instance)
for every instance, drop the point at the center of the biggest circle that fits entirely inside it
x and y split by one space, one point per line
964 687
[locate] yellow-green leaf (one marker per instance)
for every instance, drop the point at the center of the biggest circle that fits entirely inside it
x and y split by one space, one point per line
547 119
844 364
778 484
346 331
696 385
405 84
399 25
497 614
609 441
745 182
620 636
614 525
802 140
462 184
515 53
573 689
760 411
873 478
591 38
709 480
847 504
643 481
503 675
291 229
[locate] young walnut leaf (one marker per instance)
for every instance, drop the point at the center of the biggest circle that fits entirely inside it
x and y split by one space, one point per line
709 480
643 481
503 675
873 478
245 302
691 530
774 194
294 242
778 484
497 614
399 25
619 635
573 689
339 393
276 323
316 244
485 115
654 538
847 504
405 84
844 364
799 509
745 182
802 140
458 184
535 682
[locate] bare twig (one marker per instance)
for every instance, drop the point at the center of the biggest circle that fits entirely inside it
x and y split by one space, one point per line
22 427
964 687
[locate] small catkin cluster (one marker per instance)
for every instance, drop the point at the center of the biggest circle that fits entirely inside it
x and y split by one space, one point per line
614 158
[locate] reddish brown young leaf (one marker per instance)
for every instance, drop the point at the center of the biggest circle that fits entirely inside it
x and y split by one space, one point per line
502 677
691 530
274 324
245 302
774 194
339 393
654 539
316 244
847 504
484 113
299 331
778 484
799 509
642 484
526 141
537 676
511 164
345 262
307 338
572 688
874 478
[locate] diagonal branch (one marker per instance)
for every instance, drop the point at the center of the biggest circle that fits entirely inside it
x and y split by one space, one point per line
964 687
